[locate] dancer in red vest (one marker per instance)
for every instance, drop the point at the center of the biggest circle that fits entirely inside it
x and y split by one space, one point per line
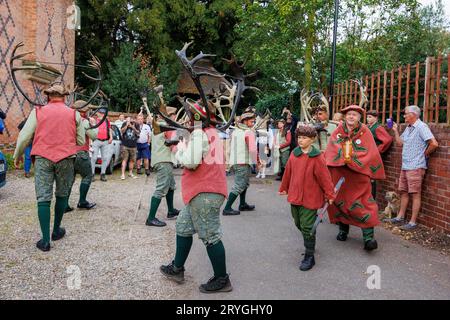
82 164
203 188
57 132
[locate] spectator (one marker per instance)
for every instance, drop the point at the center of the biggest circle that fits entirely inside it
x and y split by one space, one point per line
143 151
282 146
27 153
130 135
120 121
102 143
418 143
2 117
338 117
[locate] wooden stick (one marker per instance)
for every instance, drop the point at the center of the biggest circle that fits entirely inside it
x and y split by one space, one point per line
399 93
384 97
438 89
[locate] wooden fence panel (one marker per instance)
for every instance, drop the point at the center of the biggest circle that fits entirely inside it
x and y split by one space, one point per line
388 92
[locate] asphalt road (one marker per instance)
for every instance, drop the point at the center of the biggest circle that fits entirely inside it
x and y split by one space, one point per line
264 248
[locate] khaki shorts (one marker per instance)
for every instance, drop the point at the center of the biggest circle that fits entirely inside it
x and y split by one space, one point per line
411 180
47 172
128 153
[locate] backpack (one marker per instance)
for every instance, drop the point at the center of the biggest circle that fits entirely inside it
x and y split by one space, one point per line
2 126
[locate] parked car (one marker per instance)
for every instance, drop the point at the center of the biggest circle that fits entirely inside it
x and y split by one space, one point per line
115 158
3 168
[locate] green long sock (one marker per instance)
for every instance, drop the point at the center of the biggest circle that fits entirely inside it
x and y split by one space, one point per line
216 254
154 204
84 188
44 219
231 198
368 234
310 245
60 207
183 248
242 197
169 199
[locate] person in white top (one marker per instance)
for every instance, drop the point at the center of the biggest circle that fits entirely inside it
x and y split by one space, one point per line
143 143
120 121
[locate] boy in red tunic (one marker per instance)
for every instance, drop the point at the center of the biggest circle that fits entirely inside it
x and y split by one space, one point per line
307 183
352 153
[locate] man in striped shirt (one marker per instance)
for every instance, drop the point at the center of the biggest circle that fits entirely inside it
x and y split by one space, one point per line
418 143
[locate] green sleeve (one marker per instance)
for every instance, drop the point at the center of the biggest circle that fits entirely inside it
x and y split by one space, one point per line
196 149
26 134
81 135
91 133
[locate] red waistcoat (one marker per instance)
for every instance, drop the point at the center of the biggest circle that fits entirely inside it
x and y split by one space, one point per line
55 137
209 176
103 130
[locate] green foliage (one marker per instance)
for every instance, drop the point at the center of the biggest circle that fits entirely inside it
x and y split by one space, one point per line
128 76
275 103
10 161
289 42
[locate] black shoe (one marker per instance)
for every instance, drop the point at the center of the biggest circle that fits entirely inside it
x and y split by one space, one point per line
230 212
68 209
56 235
217 284
246 207
173 214
103 177
41 245
86 205
370 245
155 223
342 236
147 172
173 273
308 262
139 171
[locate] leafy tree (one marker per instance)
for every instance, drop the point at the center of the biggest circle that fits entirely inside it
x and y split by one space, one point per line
128 76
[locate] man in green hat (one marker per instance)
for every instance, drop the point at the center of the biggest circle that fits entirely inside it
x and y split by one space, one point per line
56 132
242 157
162 163
82 163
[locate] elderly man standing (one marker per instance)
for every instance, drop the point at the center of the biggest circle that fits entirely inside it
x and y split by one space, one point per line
56 131
418 143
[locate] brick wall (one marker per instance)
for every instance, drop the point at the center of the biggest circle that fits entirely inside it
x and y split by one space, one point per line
41 26
435 211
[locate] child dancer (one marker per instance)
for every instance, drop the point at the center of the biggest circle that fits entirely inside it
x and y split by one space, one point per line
306 182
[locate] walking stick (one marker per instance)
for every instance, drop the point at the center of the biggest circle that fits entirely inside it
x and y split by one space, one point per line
140 198
322 211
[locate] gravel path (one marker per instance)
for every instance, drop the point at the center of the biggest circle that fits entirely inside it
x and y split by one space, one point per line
116 255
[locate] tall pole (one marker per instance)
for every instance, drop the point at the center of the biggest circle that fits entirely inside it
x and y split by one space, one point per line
333 63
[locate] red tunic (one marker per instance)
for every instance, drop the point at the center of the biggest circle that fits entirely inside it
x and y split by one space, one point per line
382 138
307 180
354 203
55 137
